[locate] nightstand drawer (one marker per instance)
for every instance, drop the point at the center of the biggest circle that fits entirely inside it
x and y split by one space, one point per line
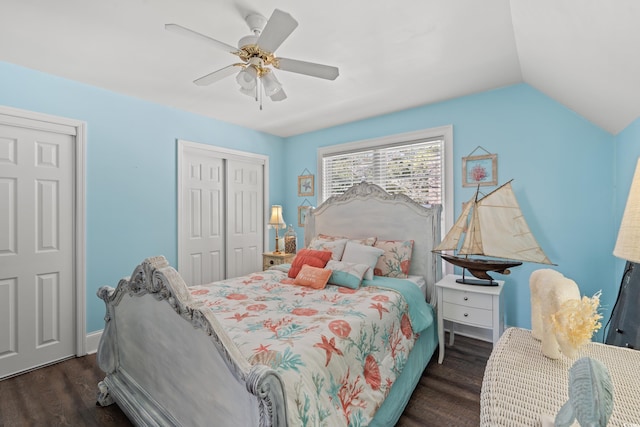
269 259
468 299
469 315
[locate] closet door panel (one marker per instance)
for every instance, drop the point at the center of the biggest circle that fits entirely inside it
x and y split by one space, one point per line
221 216
244 205
202 259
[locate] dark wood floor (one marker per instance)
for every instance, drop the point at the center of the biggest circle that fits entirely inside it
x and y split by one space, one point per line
449 394
64 394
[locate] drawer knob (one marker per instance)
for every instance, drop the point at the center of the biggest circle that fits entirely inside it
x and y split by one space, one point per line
466 315
271 262
466 298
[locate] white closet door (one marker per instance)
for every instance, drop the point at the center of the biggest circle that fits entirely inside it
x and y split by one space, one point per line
37 324
202 257
245 217
221 216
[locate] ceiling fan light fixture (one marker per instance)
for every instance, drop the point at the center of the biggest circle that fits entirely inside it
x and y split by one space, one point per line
248 92
246 78
279 96
271 84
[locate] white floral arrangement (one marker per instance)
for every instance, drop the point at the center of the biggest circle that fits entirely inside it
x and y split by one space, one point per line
577 320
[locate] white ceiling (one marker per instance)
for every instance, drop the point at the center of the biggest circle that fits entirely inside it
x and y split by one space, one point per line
391 55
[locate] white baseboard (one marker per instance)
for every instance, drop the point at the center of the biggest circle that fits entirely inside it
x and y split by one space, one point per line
93 339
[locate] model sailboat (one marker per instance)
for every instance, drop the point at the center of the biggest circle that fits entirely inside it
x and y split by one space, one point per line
491 226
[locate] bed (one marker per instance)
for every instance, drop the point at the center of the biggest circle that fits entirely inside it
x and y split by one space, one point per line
211 354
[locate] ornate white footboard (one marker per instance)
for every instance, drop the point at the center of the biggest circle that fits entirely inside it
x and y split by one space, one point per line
168 361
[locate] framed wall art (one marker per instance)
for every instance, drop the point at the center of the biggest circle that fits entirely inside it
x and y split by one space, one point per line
302 214
305 185
480 170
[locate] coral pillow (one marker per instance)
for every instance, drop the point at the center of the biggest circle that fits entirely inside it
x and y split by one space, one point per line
312 277
309 257
396 260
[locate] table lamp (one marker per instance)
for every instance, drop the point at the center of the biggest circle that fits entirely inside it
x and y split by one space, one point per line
276 221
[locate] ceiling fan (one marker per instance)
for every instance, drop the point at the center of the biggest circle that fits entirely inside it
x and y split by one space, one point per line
257 54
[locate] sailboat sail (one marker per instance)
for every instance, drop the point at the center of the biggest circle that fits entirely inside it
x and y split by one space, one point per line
472 244
510 236
494 226
452 240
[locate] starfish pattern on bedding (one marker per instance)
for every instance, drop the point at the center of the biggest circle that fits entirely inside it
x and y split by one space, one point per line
378 306
329 346
262 348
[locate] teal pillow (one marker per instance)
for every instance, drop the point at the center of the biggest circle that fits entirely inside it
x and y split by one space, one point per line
346 274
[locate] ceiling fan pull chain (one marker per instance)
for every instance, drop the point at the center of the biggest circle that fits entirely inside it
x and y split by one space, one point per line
257 88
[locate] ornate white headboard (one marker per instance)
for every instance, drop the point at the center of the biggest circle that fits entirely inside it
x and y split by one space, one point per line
367 210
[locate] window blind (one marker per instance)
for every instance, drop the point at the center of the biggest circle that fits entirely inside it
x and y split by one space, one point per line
413 168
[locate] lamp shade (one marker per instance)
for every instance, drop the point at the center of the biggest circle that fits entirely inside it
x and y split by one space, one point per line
271 84
279 95
628 244
246 78
248 92
276 219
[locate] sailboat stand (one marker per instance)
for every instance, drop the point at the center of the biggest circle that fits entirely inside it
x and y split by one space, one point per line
477 282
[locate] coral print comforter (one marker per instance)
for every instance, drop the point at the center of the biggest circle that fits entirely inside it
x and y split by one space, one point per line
337 350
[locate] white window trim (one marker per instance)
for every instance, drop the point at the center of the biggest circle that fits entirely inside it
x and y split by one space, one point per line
443 132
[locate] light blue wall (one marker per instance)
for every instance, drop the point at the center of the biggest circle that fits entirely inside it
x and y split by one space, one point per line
562 166
131 164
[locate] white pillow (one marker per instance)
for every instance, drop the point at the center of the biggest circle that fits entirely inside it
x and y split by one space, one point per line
361 254
335 246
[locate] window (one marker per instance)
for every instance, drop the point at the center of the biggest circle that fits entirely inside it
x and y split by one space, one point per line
413 164
413 168
419 164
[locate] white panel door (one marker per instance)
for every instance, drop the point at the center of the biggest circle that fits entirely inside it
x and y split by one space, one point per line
37 324
245 229
221 218
202 257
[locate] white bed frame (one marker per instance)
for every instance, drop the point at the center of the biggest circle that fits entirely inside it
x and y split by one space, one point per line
164 368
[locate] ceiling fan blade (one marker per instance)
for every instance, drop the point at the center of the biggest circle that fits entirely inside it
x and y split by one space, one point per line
308 68
179 29
278 28
216 75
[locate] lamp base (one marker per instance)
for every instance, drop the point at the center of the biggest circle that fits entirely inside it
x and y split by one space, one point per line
277 248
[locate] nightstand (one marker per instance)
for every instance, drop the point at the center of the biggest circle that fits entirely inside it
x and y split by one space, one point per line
473 305
269 259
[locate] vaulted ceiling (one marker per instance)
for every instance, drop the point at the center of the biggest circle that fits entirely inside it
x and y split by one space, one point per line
391 55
